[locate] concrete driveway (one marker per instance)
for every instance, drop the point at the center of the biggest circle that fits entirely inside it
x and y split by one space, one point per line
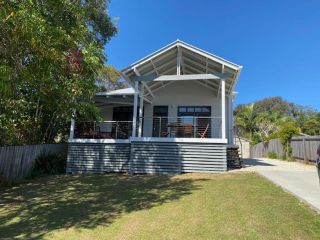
299 179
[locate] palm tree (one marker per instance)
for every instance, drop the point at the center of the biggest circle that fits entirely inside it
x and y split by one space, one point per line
246 120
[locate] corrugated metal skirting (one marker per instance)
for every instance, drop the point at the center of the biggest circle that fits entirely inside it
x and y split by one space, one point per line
147 157
98 157
168 157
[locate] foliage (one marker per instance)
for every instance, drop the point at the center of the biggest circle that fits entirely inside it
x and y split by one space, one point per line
278 105
287 131
311 126
49 163
109 79
262 121
246 120
50 55
272 155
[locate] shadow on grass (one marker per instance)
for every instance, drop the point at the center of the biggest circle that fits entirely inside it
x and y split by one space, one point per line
82 201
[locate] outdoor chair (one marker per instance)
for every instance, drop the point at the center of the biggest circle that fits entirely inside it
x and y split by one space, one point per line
203 134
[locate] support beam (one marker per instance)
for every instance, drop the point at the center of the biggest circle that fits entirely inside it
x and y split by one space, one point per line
181 60
169 70
144 84
163 86
154 67
223 108
72 125
178 63
152 78
222 71
230 108
207 64
140 112
169 64
135 104
197 53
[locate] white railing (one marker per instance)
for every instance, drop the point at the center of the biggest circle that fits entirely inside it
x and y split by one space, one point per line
182 127
103 130
164 127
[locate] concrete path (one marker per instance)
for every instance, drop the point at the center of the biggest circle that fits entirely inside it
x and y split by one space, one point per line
299 179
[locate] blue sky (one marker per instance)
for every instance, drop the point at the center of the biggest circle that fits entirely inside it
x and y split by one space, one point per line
276 41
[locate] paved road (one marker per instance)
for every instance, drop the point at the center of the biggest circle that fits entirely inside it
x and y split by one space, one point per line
299 179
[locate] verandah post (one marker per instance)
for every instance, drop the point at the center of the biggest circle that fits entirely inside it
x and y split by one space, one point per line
72 124
223 108
135 103
140 112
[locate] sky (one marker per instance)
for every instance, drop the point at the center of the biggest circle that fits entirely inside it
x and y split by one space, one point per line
276 41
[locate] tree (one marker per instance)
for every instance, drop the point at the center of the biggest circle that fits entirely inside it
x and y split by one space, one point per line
246 121
287 131
277 104
108 78
311 125
50 54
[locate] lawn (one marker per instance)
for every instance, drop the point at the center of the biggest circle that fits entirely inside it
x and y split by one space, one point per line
191 206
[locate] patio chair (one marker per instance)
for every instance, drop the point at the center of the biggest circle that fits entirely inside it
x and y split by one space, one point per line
203 134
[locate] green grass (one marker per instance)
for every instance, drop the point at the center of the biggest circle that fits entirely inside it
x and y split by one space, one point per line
191 206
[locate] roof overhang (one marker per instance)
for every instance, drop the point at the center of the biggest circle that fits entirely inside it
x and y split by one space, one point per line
182 61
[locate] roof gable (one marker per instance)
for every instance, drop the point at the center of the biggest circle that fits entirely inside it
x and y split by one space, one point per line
193 61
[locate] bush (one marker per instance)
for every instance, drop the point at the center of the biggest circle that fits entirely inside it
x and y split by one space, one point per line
49 163
287 131
272 155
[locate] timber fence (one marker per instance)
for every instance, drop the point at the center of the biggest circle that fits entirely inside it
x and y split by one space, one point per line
304 149
16 162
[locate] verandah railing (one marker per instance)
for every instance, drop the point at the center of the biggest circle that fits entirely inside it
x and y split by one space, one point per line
103 130
164 127
184 127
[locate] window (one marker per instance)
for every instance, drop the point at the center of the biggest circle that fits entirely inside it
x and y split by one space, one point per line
194 111
198 117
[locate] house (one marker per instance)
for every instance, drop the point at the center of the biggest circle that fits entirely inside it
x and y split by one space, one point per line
177 117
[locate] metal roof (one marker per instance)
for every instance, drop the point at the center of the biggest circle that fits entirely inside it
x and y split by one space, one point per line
192 61
123 91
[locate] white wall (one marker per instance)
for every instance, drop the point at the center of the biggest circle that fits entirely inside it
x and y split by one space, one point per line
185 93
244 146
181 93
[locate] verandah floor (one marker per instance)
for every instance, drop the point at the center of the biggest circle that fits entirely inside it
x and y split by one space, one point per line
188 206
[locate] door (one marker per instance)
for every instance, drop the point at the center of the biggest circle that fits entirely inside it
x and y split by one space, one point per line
122 127
160 121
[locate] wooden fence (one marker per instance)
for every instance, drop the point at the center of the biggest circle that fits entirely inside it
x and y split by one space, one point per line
16 162
303 148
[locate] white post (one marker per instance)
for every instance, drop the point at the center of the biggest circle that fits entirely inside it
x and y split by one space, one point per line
140 112
135 104
230 119
223 108
178 62
71 135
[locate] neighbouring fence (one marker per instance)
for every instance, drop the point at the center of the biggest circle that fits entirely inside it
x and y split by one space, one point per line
303 148
16 162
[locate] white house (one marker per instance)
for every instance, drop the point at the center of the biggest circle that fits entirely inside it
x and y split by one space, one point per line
177 117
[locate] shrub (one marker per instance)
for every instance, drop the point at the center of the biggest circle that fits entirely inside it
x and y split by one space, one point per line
287 131
49 163
272 155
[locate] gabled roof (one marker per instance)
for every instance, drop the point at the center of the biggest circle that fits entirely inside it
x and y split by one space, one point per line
192 61
123 92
